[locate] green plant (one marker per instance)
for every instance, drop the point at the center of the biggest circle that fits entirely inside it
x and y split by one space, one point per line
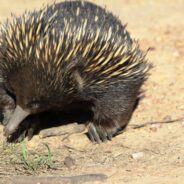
33 162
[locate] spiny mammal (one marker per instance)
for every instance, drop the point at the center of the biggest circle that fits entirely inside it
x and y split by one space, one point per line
68 53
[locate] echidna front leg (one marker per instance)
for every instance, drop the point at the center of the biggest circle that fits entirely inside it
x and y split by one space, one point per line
7 105
27 128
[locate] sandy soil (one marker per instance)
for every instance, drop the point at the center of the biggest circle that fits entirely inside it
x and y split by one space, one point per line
158 25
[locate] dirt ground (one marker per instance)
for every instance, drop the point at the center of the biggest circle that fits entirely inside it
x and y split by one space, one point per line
159 25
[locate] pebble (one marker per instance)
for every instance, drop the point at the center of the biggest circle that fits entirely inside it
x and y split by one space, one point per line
155 127
137 155
182 123
176 54
69 162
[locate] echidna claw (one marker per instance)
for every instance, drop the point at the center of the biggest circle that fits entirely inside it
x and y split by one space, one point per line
5 121
93 134
99 133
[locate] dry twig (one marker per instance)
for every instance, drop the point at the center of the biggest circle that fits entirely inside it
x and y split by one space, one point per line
63 130
59 179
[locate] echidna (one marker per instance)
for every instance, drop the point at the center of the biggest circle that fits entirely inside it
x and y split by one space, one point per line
72 52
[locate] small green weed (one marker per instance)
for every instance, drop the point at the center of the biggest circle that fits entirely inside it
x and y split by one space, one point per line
34 163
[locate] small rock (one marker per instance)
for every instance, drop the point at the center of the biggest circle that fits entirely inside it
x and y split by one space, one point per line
155 127
69 162
167 118
182 123
176 54
171 84
137 155
158 39
181 107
